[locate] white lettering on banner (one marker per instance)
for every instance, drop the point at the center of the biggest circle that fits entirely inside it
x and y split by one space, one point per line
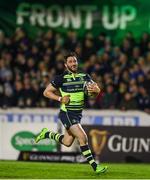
127 147
28 118
38 16
117 143
75 17
115 18
23 11
88 120
3 118
120 17
89 17
51 21
23 141
120 120
44 157
25 118
128 14
111 146
99 117
37 118
15 118
67 158
29 141
110 120
144 145
135 145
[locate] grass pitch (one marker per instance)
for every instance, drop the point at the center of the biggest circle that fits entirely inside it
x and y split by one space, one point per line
34 170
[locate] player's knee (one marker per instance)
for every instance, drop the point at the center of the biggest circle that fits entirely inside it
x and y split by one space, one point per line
67 143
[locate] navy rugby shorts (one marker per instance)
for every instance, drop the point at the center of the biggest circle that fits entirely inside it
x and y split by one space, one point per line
70 117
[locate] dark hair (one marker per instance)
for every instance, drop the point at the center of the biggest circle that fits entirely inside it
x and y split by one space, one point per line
69 54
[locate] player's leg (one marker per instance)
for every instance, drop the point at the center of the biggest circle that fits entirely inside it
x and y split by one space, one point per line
81 136
66 139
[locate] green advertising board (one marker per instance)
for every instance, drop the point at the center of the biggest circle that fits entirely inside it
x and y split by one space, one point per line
115 17
24 141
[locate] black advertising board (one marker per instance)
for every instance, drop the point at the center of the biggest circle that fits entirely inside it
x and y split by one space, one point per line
119 144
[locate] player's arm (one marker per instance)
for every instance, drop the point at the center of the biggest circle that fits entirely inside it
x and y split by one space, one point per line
93 89
50 92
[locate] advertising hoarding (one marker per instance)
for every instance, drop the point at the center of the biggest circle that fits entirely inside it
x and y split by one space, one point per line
119 144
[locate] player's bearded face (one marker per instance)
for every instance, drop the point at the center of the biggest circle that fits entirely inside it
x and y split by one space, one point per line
72 64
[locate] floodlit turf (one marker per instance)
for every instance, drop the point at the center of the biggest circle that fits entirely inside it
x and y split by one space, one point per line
28 170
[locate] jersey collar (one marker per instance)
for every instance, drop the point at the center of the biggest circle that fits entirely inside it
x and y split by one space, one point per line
71 73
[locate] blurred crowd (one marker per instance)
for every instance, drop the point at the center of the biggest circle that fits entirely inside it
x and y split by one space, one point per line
121 69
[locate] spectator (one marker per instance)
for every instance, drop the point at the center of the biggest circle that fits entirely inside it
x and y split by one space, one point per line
109 99
128 103
143 100
27 66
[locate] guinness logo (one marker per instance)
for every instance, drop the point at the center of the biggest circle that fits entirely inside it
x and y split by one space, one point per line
98 140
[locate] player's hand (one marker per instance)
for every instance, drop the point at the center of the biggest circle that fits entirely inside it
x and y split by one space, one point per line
93 88
65 99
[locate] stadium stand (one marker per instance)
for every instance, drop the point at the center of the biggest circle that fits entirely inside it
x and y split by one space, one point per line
122 69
